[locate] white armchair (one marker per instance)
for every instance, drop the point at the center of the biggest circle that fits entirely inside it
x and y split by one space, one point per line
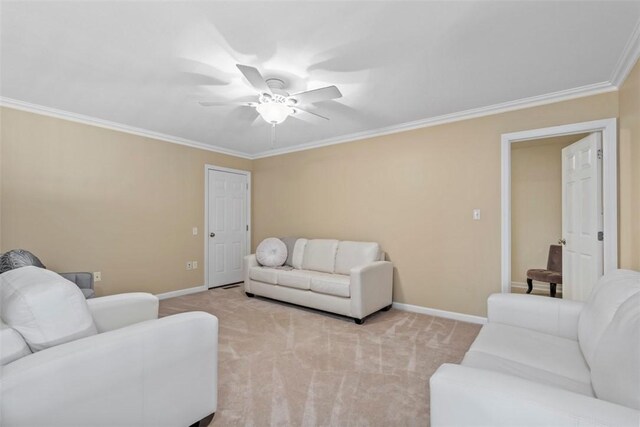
541 361
137 371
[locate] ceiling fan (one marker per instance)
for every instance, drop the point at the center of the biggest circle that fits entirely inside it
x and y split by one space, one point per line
274 104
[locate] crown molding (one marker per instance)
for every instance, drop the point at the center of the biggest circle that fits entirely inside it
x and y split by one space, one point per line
563 95
87 120
519 104
628 58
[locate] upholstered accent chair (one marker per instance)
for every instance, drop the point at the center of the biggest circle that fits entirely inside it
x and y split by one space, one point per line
553 273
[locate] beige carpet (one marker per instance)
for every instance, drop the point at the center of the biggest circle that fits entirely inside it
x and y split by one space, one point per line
281 365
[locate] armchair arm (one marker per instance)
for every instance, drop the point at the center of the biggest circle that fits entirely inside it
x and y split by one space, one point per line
464 396
552 316
116 311
249 261
157 373
371 288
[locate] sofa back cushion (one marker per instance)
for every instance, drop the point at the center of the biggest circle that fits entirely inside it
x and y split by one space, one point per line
45 308
298 253
12 345
613 290
615 368
320 255
355 254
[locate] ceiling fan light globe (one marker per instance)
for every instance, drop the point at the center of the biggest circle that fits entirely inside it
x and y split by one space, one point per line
273 112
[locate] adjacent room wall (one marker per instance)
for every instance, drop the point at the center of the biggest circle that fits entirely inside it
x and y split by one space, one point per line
536 202
629 161
413 192
84 198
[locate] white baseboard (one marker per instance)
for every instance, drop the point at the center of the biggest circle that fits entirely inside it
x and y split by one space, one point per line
440 313
181 292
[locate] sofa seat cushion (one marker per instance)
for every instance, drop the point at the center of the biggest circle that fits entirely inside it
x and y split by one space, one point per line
299 279
532 355
12 345
331 284
264 274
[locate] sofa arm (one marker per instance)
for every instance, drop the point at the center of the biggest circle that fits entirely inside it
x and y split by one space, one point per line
157 373
552 316
116 311
464 396
371 288
249 261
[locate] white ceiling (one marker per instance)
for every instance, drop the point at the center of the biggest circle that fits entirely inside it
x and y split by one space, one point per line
147 64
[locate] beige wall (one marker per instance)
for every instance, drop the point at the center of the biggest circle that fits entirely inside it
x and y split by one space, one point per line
629 155
85 198
536 201
413 192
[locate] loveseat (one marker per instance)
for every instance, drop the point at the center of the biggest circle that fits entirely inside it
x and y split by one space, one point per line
549 362
347 278
132 370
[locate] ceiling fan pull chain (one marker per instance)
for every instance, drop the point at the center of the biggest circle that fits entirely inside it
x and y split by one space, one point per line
273 135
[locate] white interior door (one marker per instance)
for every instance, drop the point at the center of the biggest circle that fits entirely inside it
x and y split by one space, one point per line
582 253
228 226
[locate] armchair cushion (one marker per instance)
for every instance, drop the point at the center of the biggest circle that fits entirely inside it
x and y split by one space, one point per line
46 309
516 351
615 368
608 295
12 345
465 396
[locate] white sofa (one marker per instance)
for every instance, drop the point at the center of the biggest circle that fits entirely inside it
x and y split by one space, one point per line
137 371
549 362
347 278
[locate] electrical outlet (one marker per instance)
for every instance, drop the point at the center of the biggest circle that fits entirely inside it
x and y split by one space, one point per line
189 265
476 214
97 276
194 264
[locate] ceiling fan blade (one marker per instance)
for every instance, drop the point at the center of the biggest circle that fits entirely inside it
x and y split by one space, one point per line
317 95
227 104
254 77
302 112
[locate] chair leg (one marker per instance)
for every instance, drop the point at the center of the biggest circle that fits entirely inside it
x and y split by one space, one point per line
204 422
552 290
529 285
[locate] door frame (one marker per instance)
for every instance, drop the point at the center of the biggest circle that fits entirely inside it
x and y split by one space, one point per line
608 128
207 168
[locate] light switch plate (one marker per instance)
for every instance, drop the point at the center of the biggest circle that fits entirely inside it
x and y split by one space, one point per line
195 264
195 231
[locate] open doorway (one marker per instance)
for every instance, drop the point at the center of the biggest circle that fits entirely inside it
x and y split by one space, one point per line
536 214
604 132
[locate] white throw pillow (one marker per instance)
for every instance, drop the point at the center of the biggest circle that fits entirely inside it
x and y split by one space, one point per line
45 308
271 252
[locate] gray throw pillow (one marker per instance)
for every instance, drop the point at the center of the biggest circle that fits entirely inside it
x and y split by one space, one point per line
17 258
290 242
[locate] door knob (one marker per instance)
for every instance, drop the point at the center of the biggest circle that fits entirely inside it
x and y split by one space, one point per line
212 234
562 242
